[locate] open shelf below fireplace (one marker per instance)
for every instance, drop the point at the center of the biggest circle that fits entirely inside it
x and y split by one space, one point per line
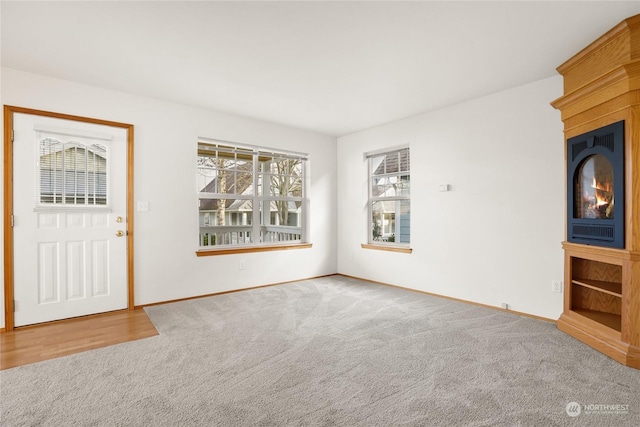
600 290
610 320
591 296
611 288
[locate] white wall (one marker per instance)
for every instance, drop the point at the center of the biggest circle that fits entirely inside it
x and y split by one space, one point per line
166 236
495 237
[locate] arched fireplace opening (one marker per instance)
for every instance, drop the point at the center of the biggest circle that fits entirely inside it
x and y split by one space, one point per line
595 187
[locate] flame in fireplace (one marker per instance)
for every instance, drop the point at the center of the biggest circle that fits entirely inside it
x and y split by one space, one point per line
603 192
603 186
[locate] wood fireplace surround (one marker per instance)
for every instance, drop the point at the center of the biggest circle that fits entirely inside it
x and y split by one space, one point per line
602 284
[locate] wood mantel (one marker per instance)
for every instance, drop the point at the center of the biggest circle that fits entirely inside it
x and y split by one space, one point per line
602 285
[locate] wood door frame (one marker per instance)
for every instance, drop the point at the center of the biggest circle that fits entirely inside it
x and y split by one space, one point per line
9 111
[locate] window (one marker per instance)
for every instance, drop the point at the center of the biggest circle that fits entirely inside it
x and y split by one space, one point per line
249 196
72 173
389 197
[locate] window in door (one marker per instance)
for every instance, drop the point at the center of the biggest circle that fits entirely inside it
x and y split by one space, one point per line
71 173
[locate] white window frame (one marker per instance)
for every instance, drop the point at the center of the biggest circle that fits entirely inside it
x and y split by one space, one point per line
398 199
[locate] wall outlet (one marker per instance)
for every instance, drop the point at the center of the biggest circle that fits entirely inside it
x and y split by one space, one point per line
556 286
505 306
241 265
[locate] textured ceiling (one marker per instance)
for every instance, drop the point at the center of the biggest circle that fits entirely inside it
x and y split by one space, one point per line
332 67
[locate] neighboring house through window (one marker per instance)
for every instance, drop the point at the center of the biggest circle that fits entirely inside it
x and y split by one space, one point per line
389 197
249 195
71 173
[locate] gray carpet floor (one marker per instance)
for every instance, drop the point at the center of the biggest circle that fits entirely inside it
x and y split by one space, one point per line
332 351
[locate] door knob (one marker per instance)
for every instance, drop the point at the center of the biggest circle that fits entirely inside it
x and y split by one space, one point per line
119 233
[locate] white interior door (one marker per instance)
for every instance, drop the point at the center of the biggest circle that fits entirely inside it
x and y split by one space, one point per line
69 207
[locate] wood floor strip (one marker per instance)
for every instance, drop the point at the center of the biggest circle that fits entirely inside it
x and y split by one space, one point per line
32 344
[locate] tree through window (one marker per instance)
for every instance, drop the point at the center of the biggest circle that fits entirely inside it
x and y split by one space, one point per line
249 196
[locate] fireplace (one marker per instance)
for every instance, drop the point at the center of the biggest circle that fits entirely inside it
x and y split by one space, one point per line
595 187
600 109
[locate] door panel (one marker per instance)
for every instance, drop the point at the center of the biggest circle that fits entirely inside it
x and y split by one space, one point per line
69 186
48 270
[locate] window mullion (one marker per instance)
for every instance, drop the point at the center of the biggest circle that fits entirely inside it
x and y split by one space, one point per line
398 209
256 205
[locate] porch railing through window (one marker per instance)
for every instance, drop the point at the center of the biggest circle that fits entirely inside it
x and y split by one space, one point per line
240 235
249 195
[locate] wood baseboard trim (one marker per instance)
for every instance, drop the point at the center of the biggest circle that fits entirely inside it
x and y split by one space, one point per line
519 313
230 291
619 351
2 330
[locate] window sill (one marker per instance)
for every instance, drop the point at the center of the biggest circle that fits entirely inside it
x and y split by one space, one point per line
401 249
248 249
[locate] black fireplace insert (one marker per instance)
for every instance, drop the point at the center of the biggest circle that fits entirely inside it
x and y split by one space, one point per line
595 187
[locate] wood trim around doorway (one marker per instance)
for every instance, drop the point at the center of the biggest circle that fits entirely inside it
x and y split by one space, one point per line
9 111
